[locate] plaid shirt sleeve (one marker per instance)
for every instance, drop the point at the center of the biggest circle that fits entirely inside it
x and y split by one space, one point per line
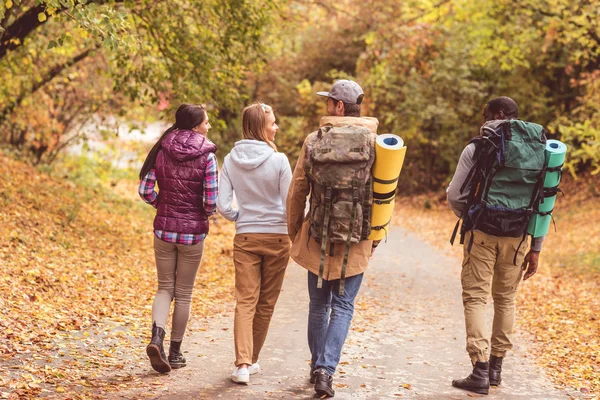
146 188
211 185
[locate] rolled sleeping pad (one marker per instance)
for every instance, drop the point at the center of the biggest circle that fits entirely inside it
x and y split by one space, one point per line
555 156
389 158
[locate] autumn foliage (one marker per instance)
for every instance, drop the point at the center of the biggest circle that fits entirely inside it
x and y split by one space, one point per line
558 307
77 283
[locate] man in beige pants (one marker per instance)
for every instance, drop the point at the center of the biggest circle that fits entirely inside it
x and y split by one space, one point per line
492 264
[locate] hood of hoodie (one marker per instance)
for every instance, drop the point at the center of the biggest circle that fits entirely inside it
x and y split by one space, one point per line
183 145
250 154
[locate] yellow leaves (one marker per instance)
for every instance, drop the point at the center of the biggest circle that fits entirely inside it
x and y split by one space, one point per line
559 305
50 10
41 17
8 4
80 293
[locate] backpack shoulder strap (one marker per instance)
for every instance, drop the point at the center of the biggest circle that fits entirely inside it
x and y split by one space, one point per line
324 230
355 199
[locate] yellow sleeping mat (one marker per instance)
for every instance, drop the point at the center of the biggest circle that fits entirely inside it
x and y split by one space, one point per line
389 157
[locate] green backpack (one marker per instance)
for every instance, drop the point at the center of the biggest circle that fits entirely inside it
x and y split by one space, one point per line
338 163
506 181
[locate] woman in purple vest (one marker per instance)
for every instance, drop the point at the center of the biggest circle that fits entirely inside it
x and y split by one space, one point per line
183 163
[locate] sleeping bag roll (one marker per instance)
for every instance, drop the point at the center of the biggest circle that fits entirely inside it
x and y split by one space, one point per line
555 158
389 158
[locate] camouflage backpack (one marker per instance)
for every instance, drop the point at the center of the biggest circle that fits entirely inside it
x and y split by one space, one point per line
338 163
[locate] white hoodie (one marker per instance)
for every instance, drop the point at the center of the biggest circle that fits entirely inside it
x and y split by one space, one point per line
260 178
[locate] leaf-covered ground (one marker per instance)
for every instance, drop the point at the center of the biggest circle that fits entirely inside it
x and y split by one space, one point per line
560 306
78 280
77 284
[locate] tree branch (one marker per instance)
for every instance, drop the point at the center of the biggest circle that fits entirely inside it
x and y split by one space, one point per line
51 74
27 22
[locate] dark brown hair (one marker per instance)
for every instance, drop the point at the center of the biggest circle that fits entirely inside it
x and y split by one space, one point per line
187 117
505 104
350 110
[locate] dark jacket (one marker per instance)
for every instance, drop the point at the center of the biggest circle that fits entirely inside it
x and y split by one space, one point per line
180 169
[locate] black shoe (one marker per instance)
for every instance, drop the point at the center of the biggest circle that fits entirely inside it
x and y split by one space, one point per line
495 370
478 381
176 358
156 351
312 375
323 384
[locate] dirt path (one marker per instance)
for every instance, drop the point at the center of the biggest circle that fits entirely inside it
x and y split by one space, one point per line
407 341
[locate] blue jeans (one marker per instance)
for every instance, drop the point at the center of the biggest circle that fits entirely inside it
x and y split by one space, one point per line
326 335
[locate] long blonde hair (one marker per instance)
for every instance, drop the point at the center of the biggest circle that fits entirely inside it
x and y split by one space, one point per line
254 122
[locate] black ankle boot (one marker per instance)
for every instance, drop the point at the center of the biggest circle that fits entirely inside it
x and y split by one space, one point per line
176 359
156 351
495 370
323 384
312 375
478 381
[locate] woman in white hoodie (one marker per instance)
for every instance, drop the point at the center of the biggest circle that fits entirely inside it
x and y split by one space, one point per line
260 178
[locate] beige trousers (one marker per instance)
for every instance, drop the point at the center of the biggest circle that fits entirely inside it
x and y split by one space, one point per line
176 266
260 261
490 268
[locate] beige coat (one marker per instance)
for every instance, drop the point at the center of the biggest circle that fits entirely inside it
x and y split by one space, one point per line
305 250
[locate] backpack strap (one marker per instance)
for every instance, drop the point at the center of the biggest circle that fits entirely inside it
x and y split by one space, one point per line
536 197
349 238
386 182
325 229
455 231
473 177
380 227
367 206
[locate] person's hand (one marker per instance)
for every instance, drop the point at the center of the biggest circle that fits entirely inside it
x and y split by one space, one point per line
374 246
530 264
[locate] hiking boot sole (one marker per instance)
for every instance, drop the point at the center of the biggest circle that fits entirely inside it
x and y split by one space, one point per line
474 389
177 365
158 363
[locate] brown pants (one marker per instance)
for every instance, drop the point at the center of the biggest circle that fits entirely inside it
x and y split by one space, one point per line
490 267
260 261
176 267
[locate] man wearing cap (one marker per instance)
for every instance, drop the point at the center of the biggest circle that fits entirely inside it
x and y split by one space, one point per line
330 313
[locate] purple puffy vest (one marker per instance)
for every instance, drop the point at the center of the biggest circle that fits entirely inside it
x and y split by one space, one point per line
180 169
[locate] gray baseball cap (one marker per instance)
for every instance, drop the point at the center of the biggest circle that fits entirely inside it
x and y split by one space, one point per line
346 91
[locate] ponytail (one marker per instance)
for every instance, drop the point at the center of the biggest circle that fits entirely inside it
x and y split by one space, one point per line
187 117
150 162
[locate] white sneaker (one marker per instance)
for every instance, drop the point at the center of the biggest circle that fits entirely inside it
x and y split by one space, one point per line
254 369
240 375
